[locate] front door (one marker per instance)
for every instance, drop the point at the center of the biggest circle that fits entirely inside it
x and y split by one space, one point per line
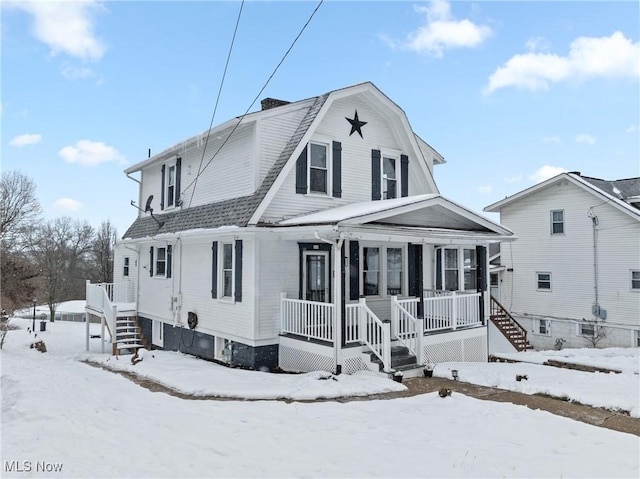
315 276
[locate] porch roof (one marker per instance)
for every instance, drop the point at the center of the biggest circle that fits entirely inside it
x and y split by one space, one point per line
428 211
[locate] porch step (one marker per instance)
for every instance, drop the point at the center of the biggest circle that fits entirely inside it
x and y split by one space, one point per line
128 336
400 359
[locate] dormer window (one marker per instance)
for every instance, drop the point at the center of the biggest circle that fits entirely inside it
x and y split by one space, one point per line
319 169
171 185
389 175
389 178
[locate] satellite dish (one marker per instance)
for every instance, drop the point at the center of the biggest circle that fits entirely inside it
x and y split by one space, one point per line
147 206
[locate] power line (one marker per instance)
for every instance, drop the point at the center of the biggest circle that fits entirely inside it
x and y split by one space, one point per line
215 108
255 99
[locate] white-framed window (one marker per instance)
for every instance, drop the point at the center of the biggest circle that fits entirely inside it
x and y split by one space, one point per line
635 280
543 327
171 185
543 281
470 266
586 329
389 177
227 270
161 261
557 222
319 168
125 267
383 271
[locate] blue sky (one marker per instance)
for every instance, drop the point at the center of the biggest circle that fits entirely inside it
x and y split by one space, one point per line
509 92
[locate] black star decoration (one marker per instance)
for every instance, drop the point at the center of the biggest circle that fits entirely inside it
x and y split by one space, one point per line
356 124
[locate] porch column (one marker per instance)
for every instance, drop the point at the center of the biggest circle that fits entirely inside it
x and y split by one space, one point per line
338 261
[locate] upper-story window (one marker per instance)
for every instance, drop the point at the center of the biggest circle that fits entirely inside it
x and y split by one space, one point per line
170 188
319 169
635 280
557 222
389 175
543 281
226 270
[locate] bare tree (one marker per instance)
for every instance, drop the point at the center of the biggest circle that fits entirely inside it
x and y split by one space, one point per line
102 253
19 208
61 249
599 331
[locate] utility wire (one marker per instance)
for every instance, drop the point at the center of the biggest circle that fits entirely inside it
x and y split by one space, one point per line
215 108
256 97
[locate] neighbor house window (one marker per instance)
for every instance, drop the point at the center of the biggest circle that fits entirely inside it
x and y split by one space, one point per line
394 271
125 269
557 222
635 280
470 267
637 338
227 270
543 281
543 327
371 271
586 329
318 168
389 178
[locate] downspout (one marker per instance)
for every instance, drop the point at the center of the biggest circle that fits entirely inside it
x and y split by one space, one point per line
594 224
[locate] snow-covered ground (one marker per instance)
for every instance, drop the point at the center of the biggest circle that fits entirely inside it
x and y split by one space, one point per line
92 423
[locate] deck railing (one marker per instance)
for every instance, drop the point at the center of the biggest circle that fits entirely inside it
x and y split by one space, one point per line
310 319
118 292
98 301
450 310
406 327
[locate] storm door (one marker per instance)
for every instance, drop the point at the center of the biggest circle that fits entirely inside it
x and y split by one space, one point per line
315 276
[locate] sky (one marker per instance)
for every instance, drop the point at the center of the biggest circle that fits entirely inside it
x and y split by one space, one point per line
510 93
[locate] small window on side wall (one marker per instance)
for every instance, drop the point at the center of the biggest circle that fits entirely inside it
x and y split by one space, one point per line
543 327
125 269
635 280
543 281
557 222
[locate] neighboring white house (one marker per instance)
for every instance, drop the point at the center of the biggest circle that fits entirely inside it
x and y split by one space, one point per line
308 235
575 269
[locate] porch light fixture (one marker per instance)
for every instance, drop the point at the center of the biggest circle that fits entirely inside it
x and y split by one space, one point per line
454 373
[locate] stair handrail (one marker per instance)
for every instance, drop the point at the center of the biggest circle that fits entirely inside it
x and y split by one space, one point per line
375 334
497 307
408 329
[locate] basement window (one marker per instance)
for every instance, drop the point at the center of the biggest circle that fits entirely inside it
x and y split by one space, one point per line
543 327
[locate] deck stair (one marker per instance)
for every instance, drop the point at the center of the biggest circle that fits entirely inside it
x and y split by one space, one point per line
401 360
509 327
128 336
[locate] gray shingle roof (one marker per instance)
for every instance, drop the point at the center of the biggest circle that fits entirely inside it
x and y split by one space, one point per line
231 212
627 187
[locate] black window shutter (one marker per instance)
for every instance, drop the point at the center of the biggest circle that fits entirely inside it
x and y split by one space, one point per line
414 260
162 187
214 269
151 261
354 270
169 261
376 190
238 272
178 174
481 270
337 169
404 175
301 172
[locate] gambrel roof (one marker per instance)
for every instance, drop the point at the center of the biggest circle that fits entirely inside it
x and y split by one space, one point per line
247 210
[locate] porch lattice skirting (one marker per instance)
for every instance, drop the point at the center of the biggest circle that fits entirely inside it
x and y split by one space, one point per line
465 346
294 356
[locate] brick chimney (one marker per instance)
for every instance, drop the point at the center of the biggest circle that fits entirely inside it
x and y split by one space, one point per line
269 103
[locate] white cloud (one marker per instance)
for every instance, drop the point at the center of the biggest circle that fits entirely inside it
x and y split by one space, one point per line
546 172
67 204
633 129
538 44
90 153
442 31
66 27
26 139
552 139
586 139
614 56
485 190
513 179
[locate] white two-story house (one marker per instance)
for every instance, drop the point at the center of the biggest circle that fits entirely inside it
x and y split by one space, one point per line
573 277
307 236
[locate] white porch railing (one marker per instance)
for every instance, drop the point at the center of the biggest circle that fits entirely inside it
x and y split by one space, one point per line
406 327
450 310
118 292
310 319
98 300
373 333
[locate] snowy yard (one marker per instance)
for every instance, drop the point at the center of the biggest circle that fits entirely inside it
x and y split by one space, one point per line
93 423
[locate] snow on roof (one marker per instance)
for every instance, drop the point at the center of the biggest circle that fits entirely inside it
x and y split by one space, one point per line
354 210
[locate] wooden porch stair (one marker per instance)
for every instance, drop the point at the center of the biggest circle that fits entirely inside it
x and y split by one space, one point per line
128 336
401 359
508 326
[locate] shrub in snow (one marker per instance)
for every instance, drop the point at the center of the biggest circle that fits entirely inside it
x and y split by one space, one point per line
444 392
520 377
39 345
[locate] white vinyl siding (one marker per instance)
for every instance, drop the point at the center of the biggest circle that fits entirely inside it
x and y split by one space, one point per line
569 257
